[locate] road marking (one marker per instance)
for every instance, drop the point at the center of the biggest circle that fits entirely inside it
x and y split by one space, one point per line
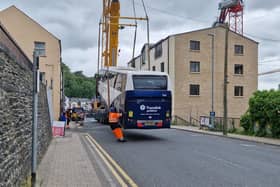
248 145
117 176
195 135
113 163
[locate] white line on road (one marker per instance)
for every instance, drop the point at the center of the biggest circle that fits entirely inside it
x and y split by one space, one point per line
248 145
195 135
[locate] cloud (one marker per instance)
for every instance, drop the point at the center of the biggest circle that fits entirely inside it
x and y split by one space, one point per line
81 60
260 4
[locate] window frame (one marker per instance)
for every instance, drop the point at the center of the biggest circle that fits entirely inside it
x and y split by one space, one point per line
197 90
40 49
239 49
236 71
162 69
194 45
237 92
192 63
158 50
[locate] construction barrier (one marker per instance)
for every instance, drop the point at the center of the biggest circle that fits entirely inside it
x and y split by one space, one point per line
58 128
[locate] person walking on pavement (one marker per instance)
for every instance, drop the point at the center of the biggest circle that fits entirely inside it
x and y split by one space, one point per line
114 118
68 117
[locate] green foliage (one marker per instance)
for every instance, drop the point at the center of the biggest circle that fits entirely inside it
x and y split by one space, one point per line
246 123
77 84
263 116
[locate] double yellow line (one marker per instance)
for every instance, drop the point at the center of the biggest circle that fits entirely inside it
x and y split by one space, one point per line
120 175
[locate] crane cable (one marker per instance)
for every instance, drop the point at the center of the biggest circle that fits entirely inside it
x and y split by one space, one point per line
269 72
135 31
148 34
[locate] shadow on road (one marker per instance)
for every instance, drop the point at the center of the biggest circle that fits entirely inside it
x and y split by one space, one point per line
133 136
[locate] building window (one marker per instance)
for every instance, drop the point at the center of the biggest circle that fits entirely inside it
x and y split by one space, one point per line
133 64
43 77
238 69
194 67
238 49
162 67
194 89
195 45
158 50
51 86
238 90
143 57
40 48
154 68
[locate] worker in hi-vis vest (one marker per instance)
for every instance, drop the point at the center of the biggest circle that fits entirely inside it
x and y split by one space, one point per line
114 118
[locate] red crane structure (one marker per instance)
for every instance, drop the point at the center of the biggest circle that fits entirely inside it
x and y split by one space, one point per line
233 11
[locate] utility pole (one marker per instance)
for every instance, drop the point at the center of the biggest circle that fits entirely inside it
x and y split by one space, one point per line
148 38
225 80
98 52
212 113
35 116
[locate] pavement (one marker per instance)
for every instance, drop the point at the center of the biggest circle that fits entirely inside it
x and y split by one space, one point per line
269 141
66 162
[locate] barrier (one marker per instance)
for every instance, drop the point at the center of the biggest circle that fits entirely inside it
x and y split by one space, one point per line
58 128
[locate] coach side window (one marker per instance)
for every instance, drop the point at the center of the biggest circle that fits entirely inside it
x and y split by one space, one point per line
111 78
123 82
118 85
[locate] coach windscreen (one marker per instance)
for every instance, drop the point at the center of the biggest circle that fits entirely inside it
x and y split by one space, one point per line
150 82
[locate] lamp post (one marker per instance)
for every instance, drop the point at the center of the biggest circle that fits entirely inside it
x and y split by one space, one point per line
212 112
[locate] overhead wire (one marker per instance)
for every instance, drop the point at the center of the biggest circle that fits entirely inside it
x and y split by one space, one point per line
135 31
207 21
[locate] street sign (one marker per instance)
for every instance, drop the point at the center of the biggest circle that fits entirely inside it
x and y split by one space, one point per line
212 114
204 121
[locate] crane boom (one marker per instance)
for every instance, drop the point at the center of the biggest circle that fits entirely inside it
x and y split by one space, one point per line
111 16
114 32
233 9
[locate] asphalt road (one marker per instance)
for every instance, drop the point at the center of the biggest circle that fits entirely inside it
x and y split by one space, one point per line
179 158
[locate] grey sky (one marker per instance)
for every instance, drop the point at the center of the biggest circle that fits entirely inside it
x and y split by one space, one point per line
76 24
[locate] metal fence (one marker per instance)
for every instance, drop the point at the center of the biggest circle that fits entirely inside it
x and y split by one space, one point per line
204 121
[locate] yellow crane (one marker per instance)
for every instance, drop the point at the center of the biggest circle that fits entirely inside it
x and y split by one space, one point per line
110 30
110 41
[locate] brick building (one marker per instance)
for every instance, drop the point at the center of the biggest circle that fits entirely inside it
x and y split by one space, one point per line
30 35
187 58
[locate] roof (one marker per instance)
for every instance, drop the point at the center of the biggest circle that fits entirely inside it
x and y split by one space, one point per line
20 58
13 7
210 28
189 32
128 70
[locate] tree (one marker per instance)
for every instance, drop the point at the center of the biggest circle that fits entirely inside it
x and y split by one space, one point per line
77 84
264 111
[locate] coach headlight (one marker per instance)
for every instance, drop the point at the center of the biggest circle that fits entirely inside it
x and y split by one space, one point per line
130 114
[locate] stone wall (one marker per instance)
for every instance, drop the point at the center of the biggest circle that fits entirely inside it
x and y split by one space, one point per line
16 114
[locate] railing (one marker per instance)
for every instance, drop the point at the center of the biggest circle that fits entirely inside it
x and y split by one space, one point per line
233 123
177 120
